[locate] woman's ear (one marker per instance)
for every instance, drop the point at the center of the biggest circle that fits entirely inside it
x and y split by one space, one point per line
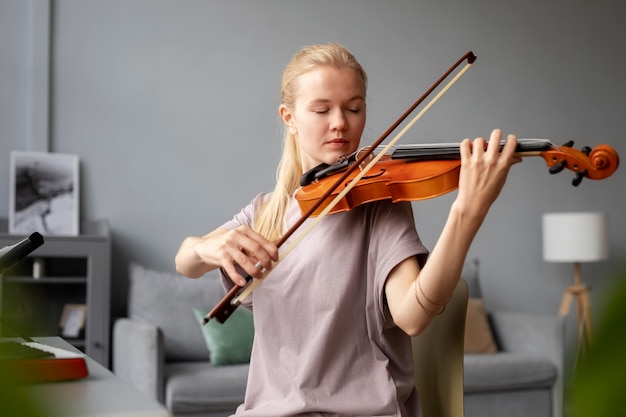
287 117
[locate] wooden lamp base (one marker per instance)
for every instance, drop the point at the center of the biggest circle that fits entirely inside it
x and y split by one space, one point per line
579 292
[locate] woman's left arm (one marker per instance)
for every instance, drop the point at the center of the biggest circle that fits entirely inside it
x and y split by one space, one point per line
416 295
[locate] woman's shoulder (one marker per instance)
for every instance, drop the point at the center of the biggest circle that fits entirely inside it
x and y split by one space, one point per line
247 213
260 199
256 203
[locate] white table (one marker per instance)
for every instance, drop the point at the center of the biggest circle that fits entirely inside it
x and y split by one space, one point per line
101 394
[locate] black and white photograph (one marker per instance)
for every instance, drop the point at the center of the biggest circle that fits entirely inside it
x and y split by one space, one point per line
44 193
73 319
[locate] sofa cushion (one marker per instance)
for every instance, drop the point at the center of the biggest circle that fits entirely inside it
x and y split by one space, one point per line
512 403
478 334
506 371
167 300
479 337
201 387
230 342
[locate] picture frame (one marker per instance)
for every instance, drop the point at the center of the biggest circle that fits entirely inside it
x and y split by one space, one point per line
44 193
73 320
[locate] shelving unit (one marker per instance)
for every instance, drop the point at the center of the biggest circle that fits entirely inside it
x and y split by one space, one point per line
69 271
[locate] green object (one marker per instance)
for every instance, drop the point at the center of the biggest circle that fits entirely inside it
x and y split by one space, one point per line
600 379
229 343
14 399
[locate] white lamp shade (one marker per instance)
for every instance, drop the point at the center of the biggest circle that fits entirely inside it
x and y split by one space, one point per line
575 237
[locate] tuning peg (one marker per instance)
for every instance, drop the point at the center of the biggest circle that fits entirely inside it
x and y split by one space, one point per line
578 177
569 144
586 150
556 168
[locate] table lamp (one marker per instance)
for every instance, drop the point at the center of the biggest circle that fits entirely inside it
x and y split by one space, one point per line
576 238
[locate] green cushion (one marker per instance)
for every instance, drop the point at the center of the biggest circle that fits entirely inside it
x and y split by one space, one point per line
229 343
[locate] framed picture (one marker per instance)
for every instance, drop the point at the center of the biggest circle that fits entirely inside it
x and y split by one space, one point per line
44 193
73 319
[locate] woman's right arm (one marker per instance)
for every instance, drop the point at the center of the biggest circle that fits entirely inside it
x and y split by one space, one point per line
224 248
189 262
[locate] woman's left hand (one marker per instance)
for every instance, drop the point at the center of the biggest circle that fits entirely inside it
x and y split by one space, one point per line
484 169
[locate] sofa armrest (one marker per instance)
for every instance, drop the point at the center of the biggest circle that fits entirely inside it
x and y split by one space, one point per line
138 356
537 335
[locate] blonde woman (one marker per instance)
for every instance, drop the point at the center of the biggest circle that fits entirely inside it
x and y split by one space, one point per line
333 319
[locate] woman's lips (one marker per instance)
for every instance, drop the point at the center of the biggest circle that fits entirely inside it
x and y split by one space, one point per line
337 142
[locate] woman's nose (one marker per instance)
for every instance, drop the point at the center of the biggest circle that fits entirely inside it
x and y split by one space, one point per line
338 121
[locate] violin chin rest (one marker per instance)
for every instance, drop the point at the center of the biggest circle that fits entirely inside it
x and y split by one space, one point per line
310 176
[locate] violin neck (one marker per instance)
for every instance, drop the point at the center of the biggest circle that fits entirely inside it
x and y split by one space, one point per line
525 147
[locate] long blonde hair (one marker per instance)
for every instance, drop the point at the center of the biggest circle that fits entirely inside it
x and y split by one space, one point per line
269 219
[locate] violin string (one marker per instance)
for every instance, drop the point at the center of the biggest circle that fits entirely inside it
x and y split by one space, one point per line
525 147
250 288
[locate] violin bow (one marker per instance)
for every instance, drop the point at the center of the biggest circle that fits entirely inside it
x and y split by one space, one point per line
229 303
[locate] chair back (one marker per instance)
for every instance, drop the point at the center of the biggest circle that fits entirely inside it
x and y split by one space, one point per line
438 359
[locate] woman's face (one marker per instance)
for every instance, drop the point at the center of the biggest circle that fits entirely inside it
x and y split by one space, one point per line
328 116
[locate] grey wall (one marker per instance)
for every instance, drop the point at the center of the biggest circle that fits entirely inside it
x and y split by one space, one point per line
171 107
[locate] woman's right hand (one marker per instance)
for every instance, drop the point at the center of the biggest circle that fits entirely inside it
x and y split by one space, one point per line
225 248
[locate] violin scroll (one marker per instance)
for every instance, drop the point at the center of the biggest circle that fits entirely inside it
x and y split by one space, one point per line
604 158
596 164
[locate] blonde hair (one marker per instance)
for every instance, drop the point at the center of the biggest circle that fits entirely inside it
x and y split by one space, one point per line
269 219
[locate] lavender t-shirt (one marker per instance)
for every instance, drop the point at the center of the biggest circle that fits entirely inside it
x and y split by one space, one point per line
325 344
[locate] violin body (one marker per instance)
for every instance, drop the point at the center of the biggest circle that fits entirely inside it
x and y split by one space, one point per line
394 179
420 172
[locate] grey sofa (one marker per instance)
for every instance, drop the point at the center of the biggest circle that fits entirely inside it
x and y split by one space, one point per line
525 378
160 349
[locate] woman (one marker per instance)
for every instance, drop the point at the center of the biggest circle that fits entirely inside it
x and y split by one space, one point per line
333 319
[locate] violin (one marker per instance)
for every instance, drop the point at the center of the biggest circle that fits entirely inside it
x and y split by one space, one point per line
420 172
416 172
